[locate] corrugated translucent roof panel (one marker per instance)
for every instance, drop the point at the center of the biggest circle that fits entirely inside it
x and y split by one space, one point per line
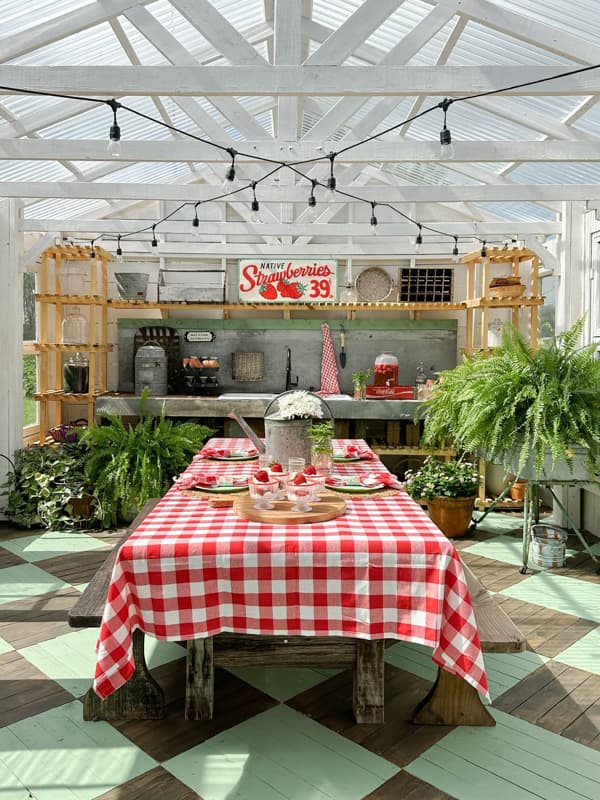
18 15
148 172
65 209
97 45
467 121
573 16
520 212
556 172
429 173
33 171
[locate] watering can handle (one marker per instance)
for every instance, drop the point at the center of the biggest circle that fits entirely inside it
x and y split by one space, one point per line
322 401
248 431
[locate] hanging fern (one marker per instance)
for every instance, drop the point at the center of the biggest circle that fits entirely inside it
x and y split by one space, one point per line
518 402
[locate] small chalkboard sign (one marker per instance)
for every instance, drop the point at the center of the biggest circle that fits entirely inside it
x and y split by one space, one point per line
199 336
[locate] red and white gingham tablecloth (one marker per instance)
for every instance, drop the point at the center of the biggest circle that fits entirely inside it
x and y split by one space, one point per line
382 570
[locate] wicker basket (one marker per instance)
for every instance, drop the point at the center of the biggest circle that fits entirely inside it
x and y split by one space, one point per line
247 366
506 292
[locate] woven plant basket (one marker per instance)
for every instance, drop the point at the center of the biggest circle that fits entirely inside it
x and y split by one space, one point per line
506 292
247 366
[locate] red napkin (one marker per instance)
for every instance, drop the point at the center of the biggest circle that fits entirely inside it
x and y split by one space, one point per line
354 451
189 480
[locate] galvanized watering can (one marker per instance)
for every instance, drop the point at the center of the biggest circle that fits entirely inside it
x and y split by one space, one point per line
285 438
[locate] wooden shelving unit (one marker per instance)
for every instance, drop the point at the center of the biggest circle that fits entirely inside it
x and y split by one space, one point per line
52 304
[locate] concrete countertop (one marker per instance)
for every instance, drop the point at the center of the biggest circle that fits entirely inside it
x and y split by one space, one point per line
188 406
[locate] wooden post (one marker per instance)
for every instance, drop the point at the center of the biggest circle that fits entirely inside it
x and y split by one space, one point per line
452 701
200 679
368 686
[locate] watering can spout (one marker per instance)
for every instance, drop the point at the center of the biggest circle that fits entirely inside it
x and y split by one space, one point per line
256 441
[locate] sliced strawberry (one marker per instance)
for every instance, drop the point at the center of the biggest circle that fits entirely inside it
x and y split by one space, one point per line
310 470
262 476
276 468
299 479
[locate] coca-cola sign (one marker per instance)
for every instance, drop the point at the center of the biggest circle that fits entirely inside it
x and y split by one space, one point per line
284 280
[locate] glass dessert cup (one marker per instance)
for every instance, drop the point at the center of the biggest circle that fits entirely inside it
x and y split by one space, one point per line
263 492
318 481
281 478
295 465
301 494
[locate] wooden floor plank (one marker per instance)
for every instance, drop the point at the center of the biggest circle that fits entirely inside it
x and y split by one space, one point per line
550 695
155 783
573 706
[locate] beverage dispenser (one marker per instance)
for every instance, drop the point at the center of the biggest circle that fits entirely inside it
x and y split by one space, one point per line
385 380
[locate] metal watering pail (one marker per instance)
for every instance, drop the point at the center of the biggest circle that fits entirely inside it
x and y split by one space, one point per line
285 438
549 545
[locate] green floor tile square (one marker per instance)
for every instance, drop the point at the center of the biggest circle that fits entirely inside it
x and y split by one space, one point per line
58 756
569 595
53 543
5 647
516 760
499 522
280 754
504 670
584 654
282 683
26 580
70 659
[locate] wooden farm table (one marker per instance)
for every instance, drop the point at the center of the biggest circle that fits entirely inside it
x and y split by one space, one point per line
381 571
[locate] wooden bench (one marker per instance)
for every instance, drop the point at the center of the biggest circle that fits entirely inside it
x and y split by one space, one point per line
451 701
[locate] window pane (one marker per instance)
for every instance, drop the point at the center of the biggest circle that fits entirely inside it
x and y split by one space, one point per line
546 319
29 306
29 387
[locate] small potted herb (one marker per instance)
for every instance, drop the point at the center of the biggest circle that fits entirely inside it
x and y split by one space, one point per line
359 381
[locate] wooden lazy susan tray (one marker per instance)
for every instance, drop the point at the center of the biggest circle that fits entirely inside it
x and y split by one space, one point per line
328 508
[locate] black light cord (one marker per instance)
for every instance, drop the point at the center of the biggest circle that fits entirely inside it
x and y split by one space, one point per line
331 181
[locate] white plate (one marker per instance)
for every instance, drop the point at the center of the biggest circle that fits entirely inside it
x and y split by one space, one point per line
247 457
356 488
346 459
220 489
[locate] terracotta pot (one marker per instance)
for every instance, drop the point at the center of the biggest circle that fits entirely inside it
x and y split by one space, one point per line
452 515
517 490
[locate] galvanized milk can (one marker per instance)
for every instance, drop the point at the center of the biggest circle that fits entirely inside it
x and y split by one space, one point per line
151 369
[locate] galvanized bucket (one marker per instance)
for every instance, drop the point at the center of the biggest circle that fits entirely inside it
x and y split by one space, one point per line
285 438
549 545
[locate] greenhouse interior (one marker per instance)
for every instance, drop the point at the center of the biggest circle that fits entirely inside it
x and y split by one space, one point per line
300 416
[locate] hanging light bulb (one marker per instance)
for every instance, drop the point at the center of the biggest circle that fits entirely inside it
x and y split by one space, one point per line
331 181
229 179
373 220
446 148
114 135
483 250
119 251
312 203
455 250
418 239
195 221
92 251
255 207
154 242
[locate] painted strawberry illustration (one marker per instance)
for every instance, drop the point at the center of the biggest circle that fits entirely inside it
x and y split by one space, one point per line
282 285
294 290
268 292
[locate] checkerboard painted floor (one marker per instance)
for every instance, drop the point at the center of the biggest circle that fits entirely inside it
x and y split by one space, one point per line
281 734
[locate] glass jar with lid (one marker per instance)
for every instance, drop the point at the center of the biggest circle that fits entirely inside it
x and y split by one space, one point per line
386 370
74 328
76 373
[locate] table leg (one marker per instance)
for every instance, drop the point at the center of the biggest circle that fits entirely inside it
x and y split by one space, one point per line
368 681
200 679
140 698
452 701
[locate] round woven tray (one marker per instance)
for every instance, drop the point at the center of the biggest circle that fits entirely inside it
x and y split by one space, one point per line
506 292
373 285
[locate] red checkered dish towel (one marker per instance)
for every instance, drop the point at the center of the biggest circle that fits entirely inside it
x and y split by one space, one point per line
329 370
382 570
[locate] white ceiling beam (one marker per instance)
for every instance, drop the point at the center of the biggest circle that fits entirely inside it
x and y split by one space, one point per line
287 50
218 31
213 81
62 26
532 31
454 228
400 54
402 150
168 45
353 31
297 194
370 246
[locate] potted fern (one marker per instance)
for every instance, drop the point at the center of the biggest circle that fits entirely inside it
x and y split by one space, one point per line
535 412
129 464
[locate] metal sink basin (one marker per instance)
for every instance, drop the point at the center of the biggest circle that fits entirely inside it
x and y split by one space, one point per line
246 396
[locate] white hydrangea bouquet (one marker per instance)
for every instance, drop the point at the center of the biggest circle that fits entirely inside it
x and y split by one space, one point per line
299 405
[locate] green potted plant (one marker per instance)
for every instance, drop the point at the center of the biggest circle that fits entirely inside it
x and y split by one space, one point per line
359 381
48 487
129 464
535 412
450 490
321 435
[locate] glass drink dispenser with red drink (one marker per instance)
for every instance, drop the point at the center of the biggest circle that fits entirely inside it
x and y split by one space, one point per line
386 370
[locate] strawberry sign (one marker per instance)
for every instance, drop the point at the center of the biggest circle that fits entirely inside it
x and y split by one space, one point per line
287 281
